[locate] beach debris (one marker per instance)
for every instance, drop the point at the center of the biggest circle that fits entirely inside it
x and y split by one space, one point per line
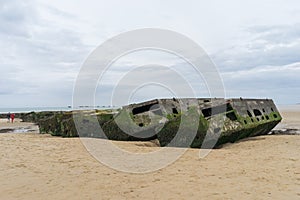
6 130
285 131
17 130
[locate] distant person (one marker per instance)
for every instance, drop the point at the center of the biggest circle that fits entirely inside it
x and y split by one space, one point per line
8 117
12 116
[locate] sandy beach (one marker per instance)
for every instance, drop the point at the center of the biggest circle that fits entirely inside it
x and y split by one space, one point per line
35 166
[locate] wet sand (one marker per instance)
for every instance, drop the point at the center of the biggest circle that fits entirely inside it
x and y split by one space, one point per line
35 166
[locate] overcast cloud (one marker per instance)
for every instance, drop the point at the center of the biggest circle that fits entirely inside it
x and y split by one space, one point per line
255 45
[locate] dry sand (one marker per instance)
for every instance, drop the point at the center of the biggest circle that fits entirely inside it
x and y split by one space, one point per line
35 166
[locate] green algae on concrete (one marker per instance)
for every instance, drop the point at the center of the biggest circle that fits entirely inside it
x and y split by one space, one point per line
178 123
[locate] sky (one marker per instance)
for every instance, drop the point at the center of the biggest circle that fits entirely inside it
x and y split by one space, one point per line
255 46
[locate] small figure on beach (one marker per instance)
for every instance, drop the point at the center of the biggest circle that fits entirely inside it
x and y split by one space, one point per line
8 117
12 116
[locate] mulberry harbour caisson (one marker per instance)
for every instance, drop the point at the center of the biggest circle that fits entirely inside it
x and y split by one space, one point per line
228 119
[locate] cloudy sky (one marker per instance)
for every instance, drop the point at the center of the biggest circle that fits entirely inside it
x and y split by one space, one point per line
255 45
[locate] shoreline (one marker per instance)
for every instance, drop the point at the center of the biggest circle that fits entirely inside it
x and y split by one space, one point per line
281 107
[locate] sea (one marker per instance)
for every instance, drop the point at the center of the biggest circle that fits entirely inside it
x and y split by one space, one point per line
69 108
39 109
294 107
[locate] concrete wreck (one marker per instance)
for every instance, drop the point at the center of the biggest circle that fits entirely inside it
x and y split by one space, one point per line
228 120
182 122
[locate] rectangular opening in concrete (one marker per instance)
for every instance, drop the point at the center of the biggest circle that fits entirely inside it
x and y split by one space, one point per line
208 112
145 108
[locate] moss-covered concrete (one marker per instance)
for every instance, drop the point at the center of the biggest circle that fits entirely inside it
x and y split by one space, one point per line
123 125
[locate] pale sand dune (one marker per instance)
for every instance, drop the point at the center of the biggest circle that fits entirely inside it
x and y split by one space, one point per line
37 166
